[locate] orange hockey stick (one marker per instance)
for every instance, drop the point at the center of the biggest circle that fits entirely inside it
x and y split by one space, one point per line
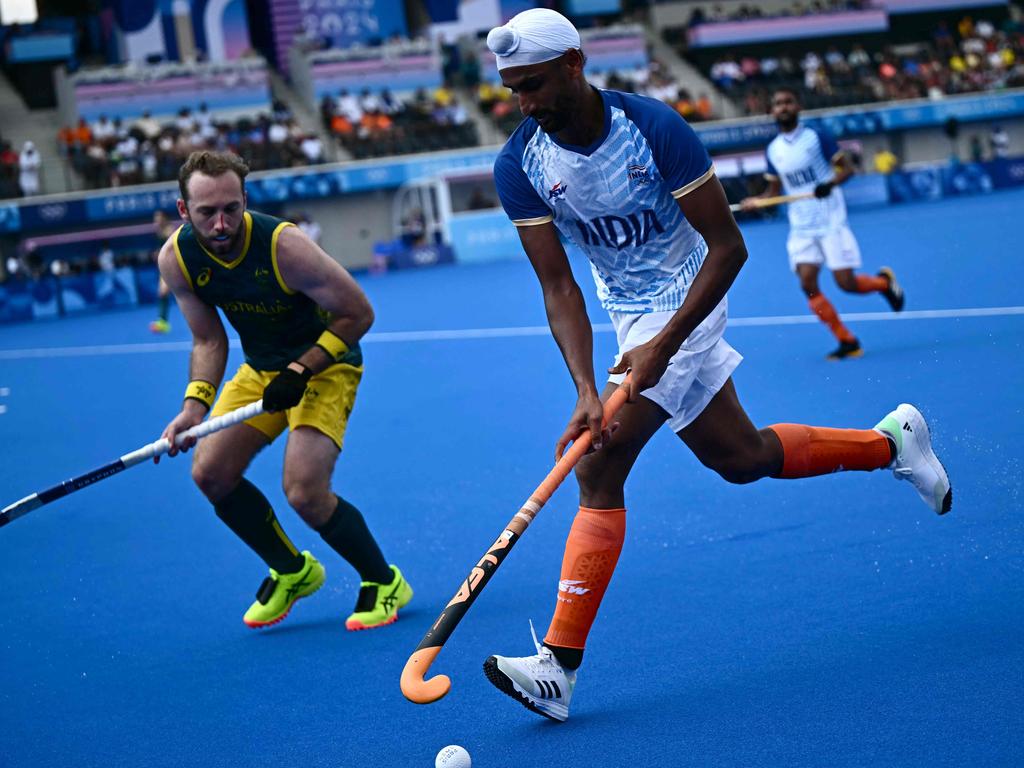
421 691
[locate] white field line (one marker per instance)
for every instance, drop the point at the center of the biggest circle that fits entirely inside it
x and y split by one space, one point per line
383 337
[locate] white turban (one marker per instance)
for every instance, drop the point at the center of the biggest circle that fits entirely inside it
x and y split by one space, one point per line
531 37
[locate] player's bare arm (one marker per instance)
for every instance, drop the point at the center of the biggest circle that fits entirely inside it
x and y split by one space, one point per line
209 345
306 268
773 189
707 209
843 167
567 317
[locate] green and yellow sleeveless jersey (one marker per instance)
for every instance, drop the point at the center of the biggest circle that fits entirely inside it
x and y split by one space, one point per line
275 324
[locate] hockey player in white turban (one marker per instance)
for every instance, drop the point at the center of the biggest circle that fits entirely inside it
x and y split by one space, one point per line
628 182
540 60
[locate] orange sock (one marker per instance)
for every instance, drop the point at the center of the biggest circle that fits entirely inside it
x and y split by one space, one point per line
823 308
810 451
871 284
591 552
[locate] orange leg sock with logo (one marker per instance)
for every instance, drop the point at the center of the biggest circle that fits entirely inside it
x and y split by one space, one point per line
823 308
811 451
591 552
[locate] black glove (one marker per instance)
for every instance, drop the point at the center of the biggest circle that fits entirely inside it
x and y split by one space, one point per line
287 388
823 190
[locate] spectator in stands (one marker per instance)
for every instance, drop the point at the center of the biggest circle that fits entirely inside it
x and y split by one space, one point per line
29 166
148 162
148 125
368 101
82 134
374 124
348 106
103 130
389 105
309 227
8 171
999 140
704 109
184 121
312 149
885 161
341 127
203 117
725 73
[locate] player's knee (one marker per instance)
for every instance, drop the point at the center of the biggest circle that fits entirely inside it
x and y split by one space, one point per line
213 481
846 281
305 497
739 468
596 473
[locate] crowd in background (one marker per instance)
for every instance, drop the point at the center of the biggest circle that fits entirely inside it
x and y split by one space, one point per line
110 152
371 124
970 56
656 81
976 57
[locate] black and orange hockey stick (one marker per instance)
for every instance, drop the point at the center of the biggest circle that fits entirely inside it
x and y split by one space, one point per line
421 691
158 448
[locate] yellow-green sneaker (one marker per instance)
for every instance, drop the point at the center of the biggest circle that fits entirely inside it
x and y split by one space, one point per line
378 604
279 591
160 326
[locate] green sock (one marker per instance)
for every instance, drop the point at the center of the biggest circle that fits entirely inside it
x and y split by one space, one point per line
165 306
348 535
247 512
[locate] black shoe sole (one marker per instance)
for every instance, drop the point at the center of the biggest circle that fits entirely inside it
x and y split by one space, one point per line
501 681
947 501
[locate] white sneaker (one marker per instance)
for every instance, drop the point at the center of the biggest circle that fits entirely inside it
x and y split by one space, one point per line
537 682
915 460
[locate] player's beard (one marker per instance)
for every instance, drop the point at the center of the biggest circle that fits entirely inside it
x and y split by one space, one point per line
221 247
558 118
787 123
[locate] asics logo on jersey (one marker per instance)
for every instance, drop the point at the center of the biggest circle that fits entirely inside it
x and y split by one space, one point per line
801 177
620 232
557 191
570 586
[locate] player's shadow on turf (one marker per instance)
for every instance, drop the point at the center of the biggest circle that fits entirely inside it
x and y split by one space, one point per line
765 533
332 623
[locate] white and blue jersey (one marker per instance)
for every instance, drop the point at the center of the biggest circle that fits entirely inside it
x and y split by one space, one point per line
615 199
802 159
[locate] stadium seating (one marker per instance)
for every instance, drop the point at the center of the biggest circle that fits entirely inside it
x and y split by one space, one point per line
110 152
977 55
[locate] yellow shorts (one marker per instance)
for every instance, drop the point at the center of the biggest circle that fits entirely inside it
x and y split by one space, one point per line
325 406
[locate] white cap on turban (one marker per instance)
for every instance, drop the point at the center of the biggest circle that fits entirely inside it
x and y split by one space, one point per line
531 37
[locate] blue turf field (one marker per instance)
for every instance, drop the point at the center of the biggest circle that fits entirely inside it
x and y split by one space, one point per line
833 621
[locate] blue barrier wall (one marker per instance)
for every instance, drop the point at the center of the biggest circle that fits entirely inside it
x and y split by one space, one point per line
480 236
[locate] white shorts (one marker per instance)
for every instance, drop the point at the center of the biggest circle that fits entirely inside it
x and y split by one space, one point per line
695 373
837 249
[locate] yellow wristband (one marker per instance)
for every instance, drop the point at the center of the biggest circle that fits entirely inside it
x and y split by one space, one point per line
203 391
335 347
